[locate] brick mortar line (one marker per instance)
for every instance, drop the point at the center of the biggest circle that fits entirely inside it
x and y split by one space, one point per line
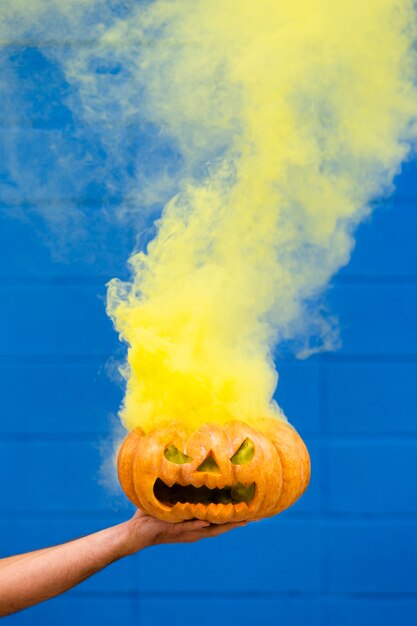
255 595
62 280
34 438
62 358
58 359
57 280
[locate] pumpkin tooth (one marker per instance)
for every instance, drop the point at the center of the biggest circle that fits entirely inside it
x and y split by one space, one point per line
198 481
211 481
212 508
213 511
170 482
228 508
188 510
199 510
185 508
220 510
241 508
217 509
180 506
181 480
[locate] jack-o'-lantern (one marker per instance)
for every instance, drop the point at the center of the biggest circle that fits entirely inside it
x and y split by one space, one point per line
220 473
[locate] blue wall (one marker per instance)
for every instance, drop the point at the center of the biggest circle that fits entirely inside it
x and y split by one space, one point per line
345 555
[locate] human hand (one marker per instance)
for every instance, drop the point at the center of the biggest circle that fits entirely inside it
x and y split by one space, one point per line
27 579
144 531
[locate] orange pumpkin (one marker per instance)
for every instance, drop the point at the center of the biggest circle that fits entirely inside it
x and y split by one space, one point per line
226 473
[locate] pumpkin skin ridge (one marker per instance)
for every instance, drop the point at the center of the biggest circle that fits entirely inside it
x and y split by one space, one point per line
301 465
126 450
140 465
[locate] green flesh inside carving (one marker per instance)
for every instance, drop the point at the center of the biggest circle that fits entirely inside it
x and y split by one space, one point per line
244 454
175 456
231 494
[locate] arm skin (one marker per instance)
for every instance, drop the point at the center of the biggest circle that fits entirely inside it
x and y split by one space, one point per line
27 579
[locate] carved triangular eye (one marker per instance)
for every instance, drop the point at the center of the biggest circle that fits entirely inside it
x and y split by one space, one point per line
244 454
209 465
175 456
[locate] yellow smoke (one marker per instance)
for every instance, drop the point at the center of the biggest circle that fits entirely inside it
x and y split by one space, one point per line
298 114
290 118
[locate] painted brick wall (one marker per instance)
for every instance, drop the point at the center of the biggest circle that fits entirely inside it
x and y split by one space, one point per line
345 554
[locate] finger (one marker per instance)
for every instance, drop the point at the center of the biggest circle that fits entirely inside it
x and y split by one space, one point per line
192 525
204 533
195 524
218 529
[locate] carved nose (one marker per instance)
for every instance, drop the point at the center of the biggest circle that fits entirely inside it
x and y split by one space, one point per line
209 465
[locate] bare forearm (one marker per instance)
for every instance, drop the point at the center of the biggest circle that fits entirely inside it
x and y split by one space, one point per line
27 579
31 578
18 557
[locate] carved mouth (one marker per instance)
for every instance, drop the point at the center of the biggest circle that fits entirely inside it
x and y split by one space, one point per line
231 494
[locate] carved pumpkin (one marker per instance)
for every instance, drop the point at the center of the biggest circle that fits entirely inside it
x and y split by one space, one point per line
226 473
